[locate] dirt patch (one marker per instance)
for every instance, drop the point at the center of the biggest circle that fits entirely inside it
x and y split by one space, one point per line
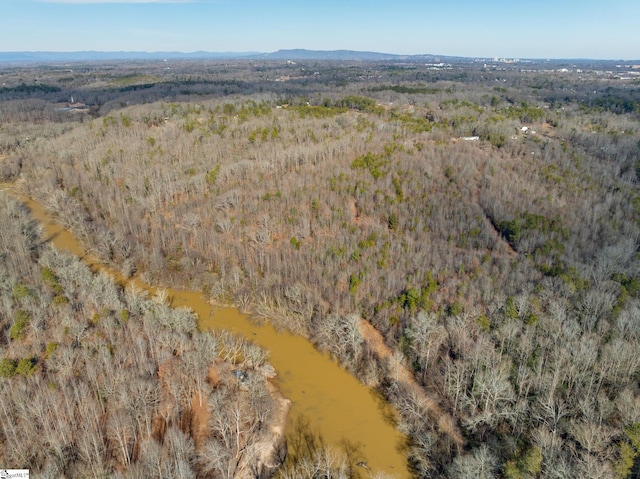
273 445
353 210
354 213
214 376
199 420
548 130
269 451
375 342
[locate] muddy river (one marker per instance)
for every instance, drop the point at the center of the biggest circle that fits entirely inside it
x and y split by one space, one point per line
335 405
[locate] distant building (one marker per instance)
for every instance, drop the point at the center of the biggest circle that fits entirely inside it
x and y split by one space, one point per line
76 105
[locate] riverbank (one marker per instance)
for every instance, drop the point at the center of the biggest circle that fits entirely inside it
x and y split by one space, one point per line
268 451
446 422
340 409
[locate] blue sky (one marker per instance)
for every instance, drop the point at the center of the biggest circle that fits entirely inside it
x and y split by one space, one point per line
517 29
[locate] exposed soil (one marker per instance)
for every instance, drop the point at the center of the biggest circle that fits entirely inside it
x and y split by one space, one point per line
272 446
199 420
269 451
375 342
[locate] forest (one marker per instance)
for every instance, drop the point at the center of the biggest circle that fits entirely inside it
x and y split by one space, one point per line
483 218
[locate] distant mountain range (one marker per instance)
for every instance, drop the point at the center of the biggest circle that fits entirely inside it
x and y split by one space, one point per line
297 54
101 56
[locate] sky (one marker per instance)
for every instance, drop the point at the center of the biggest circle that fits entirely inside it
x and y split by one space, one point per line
602 29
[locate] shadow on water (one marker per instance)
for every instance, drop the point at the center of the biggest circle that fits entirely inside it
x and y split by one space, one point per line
308 453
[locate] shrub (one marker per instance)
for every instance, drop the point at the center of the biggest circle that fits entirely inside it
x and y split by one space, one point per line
50 349
60 299
7 368
483 323
212 176
21 291
49 278
454 309
359 103
392 223
354 282
17 331
376 164
26 366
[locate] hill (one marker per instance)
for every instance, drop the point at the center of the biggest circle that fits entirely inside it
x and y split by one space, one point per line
82 56
484 222
294 54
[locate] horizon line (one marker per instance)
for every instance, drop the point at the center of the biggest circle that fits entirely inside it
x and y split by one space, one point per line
306 50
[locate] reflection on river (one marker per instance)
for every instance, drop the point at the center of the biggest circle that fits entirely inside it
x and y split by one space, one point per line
331 402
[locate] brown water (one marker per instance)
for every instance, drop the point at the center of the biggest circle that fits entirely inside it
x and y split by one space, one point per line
337 407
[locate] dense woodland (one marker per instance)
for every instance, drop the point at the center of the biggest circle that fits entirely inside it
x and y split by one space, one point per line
98 381
483 218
